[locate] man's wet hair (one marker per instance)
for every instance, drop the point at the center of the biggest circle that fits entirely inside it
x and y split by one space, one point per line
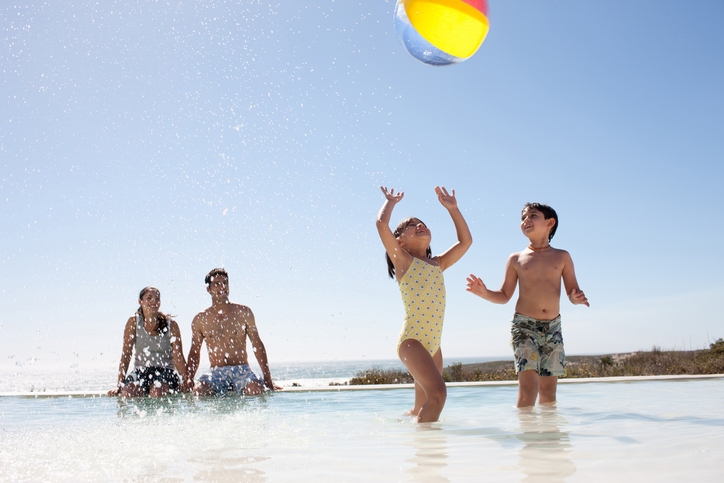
214 273
398 231
548 213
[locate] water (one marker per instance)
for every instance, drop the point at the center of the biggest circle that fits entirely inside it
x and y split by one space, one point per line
640 431
48 379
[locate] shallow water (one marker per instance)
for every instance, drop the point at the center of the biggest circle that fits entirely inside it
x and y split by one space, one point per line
663 430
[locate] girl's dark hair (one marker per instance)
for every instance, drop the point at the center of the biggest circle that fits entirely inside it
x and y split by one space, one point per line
548 213
398 231
162 318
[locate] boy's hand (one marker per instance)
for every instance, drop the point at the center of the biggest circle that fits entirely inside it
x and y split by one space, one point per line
578 297
391 196
447 200
476 285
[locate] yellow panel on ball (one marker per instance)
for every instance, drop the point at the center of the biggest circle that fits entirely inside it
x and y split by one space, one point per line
452 26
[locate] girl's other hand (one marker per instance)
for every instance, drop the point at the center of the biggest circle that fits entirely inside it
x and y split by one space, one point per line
447 200
391 196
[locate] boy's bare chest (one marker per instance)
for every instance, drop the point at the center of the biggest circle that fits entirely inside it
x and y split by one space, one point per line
539 265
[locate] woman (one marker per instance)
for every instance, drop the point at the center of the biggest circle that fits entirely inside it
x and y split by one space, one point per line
156 340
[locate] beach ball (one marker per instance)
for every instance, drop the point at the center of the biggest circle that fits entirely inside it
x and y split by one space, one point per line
441 32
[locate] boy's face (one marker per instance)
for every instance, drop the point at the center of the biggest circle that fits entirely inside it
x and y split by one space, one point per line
533 223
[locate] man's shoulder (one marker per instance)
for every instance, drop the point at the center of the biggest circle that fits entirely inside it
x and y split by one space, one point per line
242 310
203 315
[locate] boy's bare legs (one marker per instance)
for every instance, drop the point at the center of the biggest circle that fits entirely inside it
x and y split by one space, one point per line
427 372
547 390
530 384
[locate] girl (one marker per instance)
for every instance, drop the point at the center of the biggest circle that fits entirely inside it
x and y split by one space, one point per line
157 343
419 274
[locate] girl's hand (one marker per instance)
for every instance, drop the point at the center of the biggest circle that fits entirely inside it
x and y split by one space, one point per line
447 200
391 196
476 286
114 392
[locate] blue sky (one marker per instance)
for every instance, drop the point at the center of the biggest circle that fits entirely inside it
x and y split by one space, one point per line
145 143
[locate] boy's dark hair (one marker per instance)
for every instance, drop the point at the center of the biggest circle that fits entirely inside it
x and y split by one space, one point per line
398 231
548 213
213 273
161 317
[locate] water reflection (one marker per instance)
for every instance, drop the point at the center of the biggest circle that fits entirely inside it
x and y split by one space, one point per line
431 453
545 455
221 469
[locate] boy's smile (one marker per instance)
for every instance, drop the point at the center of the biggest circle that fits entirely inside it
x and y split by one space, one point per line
532 221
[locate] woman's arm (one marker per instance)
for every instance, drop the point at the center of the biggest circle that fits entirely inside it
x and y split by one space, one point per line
179 361
129 339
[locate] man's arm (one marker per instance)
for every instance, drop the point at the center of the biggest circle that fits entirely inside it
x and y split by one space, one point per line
259 350
502 296
575 295
197 338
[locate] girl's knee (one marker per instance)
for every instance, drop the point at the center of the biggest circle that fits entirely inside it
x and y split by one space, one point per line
437 394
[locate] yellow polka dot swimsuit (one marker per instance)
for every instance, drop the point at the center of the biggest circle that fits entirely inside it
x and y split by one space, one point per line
423 293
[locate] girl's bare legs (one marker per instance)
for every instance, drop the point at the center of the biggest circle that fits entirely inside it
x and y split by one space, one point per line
430 390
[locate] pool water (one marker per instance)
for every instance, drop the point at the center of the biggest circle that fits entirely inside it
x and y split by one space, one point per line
635 431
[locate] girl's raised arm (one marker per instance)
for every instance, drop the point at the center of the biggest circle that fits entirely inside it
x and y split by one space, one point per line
392 246
465 239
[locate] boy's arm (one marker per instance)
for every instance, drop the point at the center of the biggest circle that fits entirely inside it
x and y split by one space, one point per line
259 351
465 239
575 295
502 296
392 246
192 363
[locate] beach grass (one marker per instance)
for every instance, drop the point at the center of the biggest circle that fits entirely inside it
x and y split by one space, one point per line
654 362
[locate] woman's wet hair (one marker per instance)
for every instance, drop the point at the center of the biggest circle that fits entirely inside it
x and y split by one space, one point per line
398 231
162 318
548 213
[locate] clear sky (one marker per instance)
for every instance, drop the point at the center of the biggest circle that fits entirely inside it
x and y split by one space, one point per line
145 143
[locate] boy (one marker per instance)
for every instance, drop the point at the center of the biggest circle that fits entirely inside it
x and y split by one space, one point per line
536 331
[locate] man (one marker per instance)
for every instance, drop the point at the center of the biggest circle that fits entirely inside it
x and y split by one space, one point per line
225 327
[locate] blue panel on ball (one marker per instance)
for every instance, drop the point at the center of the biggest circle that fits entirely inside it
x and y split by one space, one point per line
416 44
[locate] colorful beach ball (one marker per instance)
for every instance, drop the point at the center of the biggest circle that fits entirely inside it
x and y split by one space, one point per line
441 32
